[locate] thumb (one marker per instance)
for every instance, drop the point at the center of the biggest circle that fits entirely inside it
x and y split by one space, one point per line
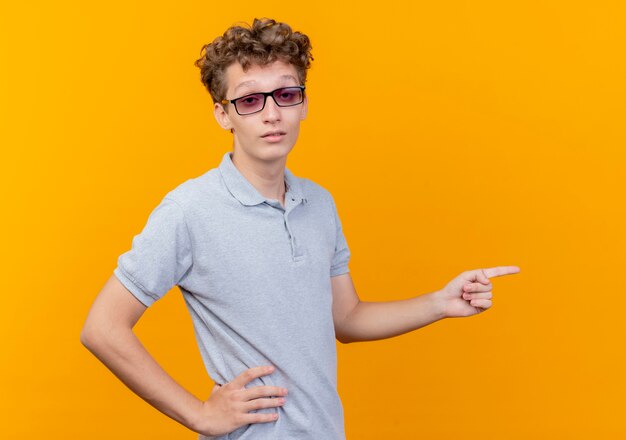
482 278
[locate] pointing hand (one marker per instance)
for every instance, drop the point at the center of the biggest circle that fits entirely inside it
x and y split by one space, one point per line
470 293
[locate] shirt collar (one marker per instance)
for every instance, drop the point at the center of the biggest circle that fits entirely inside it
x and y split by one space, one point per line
245 192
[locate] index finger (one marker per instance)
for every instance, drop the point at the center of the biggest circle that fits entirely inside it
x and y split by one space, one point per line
250 374
500 270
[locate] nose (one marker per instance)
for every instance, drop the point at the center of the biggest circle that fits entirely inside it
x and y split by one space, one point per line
271 112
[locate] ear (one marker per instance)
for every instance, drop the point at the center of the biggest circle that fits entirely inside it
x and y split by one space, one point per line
305 108
221 116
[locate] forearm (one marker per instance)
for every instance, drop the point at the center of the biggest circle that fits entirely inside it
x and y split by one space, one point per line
379 320
122 353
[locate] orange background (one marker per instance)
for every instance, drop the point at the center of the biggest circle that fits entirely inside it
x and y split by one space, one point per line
453 136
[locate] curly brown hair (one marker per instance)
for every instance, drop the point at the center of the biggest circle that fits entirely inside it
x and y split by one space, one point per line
262 43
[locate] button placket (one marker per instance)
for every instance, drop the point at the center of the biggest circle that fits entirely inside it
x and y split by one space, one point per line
297 253
292 240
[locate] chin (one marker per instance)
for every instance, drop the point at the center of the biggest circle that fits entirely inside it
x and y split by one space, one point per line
260 150
273 152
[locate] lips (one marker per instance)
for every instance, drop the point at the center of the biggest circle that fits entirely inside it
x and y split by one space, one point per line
274 133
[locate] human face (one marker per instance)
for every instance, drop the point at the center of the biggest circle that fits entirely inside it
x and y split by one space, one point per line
250 132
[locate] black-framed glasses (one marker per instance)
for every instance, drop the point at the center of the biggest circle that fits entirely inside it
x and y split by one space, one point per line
255 102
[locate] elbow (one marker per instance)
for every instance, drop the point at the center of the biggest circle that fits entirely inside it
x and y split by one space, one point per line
348 341
345 329
86 338
98 336
90 337
344 338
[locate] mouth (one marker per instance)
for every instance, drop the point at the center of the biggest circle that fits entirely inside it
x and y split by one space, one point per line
274 135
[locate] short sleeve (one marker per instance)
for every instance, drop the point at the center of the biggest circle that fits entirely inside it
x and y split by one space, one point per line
160 255
341 257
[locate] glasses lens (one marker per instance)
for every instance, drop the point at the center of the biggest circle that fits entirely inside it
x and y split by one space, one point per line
288 96
249 103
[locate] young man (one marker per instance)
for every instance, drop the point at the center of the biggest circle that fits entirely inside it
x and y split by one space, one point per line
262 262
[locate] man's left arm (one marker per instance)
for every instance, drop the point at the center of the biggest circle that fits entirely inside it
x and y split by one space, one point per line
355 320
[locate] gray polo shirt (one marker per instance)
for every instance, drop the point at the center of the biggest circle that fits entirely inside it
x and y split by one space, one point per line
256 279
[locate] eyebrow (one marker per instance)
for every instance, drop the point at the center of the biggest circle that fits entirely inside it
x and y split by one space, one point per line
252 82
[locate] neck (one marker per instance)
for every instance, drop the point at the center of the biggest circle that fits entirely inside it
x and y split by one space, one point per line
267 177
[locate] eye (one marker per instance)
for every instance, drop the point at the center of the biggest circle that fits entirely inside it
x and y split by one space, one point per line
250 101
288 96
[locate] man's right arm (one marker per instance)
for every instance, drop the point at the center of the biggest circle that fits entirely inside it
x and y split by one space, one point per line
107 333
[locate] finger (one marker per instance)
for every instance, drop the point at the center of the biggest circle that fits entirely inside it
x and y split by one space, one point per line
481 303
250 374
477 275
479 295
258 418
263 403
500 271
482 277
263 391
477 287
